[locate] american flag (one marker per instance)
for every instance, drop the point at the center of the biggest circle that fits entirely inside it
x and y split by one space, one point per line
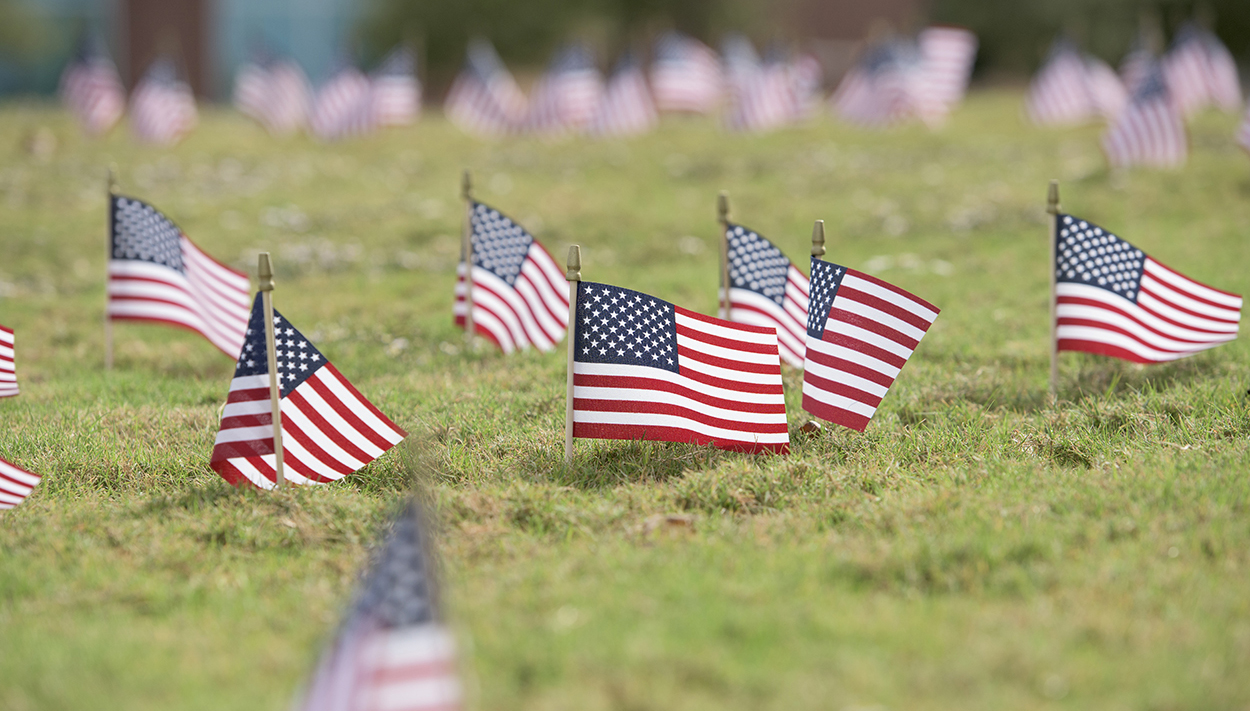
627 108
15 484
1186 68
1150 131
162 107
806 78
566 97
762 96
343 106
8 371
686 75
1243 133
274 92
880 90
156 274
520 295
1137 64
766 289
947 54
1114 300
251 89
329 429
485 100
91 88
1225 83
860 333
1059 94
647 369
396 91
391 653
1105 87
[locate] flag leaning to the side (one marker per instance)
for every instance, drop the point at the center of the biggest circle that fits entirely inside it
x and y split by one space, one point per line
1114 300
15 484
1186 68
626 108
8 371
343 106
880 90
329 429
1059 94
947 55
520 295
686 75
566 96
1150 131
156 274
396 91
91 88
392 652
484 99
766 289
162 107
646 369
860 333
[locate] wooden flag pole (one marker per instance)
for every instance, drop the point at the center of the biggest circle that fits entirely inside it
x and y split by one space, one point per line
466 248
108 257
722 216
1052 207
265 272
818 239
574 275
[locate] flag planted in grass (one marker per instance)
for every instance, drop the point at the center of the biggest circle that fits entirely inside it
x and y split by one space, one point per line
1150 131
8 371
686 75
91 88
329 429
391 653
15 484
626 108
1113 299
162 107
860 333
646 369
485 100
766 289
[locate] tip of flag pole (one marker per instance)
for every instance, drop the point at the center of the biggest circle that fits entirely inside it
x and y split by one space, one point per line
112 177
722 206
574 272
466 184
1052 198
265 272
818 239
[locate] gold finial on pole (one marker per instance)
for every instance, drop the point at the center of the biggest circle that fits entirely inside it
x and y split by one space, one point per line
1052 208
722 217
466 249
722 207
818 239
574 275
264 272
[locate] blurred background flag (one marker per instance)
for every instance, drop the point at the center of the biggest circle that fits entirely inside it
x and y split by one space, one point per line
860 333
520 294
162 107
274 92
1150 131
626 108
1243 133
156 274
15 484
1138 64
343 105
250 94
1187 70
1105 87
484 99
1060 93
686 75
8 369
762 94
392 653
806 78
1225 83
1114 300
880 89
947 54
329 429
646 369
91 88
766 289
396 91
566 97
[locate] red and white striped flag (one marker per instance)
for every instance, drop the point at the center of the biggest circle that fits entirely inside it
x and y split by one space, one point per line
860 333
766 289
1137 64
686 75
646 369
162 107
91 88
881 89
329 429
947 55
520 294
1114 300
156 274
343 106
1059 94
566 97
1105 87
627 108
1243 133
274 93
485 100
396 91
1150 131
762 96
391 653
1224 81
8 370
1186 69
15 484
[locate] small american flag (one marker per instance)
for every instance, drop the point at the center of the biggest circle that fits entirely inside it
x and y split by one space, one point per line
391 653
520 295
274 92
627 108
251 90
646 369
91 88
15 484
156 274
1150 131
1225 83
762 96
1059 94
1114 300
1187 69
162 107
329 429
806 78
396 91
8 371
1105 87
880 89
860 333
686 75
766 289
343 106
1137 64
566 97
947 55
485 100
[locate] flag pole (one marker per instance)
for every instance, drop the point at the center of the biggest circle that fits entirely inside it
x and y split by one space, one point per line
108 257
818 238
265 272
574 275
1052 207
466 248
722 216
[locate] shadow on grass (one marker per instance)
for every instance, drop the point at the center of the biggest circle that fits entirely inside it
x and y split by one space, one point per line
609 463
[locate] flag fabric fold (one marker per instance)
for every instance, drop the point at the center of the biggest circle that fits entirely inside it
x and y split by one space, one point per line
162 107
767 289
8 370
91 87
15 484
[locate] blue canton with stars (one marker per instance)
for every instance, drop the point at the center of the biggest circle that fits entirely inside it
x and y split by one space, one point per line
398 591
826 279
298 358
1087 254
142 233
756 264
624 327
499 244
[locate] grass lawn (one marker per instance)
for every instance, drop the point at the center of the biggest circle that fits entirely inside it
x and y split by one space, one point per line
978 547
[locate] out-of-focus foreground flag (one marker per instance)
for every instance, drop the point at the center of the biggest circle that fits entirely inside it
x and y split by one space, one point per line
860 333
1114 300
686 75
274 92
343 106
156 274
766 289
485 100
162 107
329 429
646 369
15 484
396 91
520 295
626 108
392 652
1150 131
947 55
566 96
8 370
91 88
